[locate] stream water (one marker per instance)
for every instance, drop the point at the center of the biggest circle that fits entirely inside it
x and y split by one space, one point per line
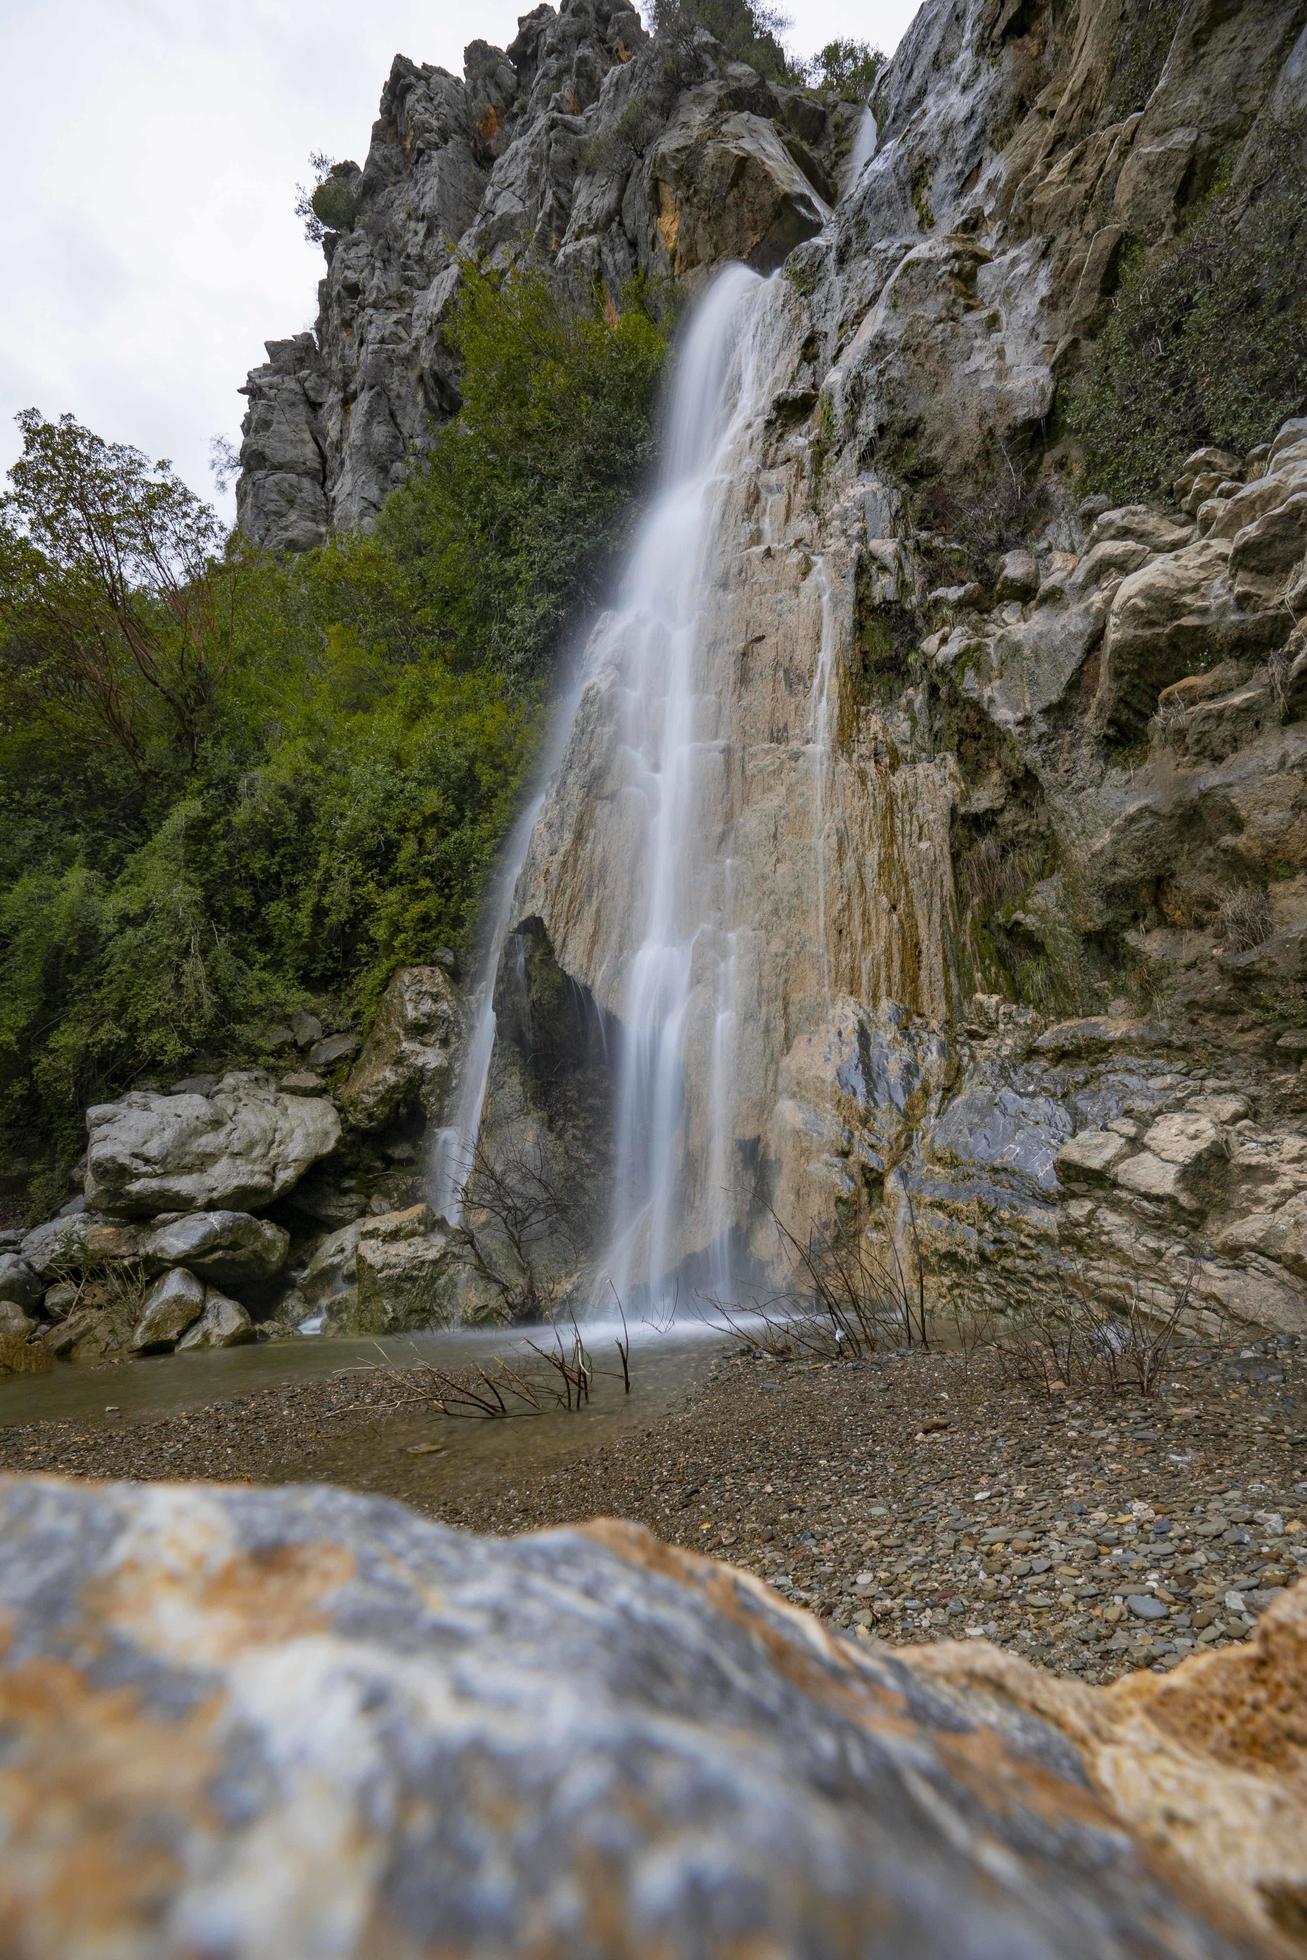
412 1453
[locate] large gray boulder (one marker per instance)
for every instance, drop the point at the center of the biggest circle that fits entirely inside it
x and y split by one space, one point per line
224 1323
19 1283
304 1722
227 1247
237 1148
172 1304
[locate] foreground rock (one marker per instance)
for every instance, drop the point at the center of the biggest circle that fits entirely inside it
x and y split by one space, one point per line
342 1721
237 1148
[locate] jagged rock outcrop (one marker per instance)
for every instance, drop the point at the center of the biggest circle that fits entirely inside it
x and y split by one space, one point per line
580 147
341 1717
404 1066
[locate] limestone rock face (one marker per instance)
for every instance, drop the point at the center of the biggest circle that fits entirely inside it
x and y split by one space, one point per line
404 1067
581 148
239 1147
341 1717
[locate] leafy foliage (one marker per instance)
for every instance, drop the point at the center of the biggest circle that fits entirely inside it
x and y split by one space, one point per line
514 524
749 30
328 206
844 70
230 783
1207 338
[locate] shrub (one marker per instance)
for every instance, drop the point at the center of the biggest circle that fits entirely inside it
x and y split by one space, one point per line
330 205
1245 919
844 70
510 530
748 30
1205 341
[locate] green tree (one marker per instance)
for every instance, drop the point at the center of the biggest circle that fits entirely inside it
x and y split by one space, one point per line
748 30
508 533
844 70
111 602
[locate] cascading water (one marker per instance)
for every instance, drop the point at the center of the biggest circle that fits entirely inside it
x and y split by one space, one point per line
687 951
667 726
454 1145
864 149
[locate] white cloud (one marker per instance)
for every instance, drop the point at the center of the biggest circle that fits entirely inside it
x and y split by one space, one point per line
155 145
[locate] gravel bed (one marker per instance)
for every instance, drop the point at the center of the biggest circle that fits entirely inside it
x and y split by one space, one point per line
916 1496
910 1496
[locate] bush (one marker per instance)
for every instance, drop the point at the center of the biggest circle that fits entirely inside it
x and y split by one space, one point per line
330 205
319 796
510 530
844 71
748 30
1205 342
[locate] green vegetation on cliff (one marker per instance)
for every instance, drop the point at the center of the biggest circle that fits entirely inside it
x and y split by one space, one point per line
1207 338
232 783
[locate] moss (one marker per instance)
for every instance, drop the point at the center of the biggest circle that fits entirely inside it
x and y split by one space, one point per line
1147 31
803 271
1206 341
921 196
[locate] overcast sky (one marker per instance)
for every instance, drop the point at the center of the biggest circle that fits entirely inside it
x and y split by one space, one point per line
152 149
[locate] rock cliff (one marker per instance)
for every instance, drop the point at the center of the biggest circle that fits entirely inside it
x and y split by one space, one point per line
1007 803
581 146
317 1723
1004 835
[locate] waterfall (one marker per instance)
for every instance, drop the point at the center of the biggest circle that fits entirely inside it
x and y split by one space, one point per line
864 149
688 938
454 1145
676 1000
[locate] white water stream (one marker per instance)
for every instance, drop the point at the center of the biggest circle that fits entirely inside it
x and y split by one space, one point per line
668 722
678 995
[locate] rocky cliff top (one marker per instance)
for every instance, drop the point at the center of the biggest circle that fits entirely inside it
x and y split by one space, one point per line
579 147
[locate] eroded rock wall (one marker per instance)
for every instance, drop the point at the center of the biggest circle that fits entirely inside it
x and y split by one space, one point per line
1014 841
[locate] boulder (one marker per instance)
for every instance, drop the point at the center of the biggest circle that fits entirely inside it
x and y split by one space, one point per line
223 1323
329 1053
15 1320
172 1304
21 1356
405 1065
385 1273
96 1327
240 1147
227 1247
338 1728
20 1284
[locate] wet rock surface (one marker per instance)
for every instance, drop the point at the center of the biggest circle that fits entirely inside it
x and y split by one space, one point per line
341 1717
